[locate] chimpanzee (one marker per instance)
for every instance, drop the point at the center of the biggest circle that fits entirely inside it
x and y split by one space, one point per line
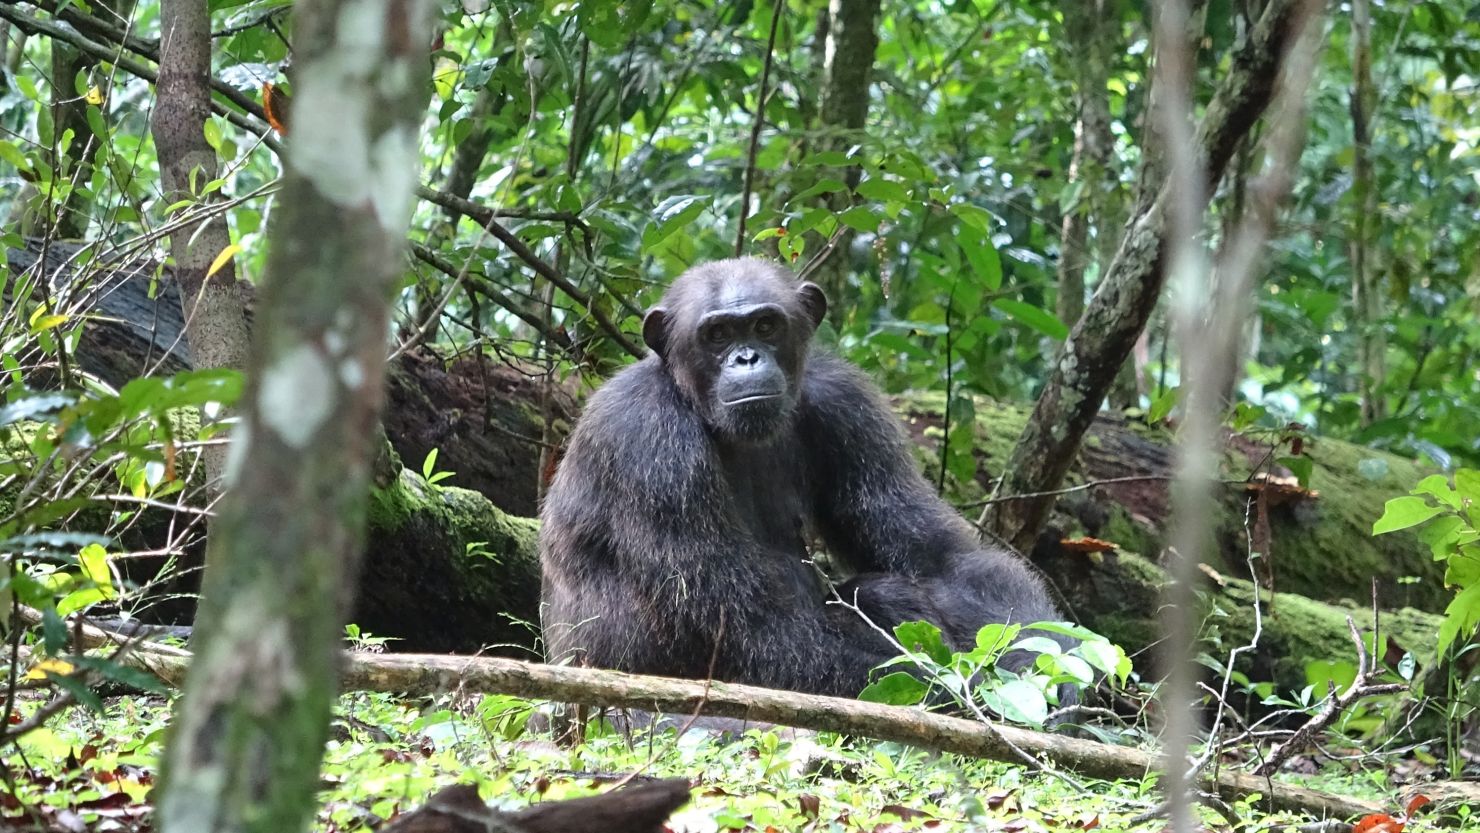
674 537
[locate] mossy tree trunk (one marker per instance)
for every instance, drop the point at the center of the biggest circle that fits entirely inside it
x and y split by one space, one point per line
249 733
1104 336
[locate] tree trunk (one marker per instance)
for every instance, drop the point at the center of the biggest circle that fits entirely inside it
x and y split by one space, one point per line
211 304
1105 335
1366 281
69 112
249 733
1089 31
848 67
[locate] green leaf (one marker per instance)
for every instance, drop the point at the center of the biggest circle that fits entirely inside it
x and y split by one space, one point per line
1442 535
1039 319
1069 197
1460 617
974 215
671 215
896 689
96 124
609 23
213 134
861 218
1403 512
1106 656
1038 645
1301 467
1438 486
94 561
994 638
1162 407
26 86
30 407
986 263
824 186
79 600
883 190
1069 668
85 697
53 631
12 154
1467 483
1018 700
923 637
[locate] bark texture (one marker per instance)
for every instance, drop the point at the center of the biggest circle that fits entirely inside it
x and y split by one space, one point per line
212 306
848 66
249 733
1104 336
1089 31
1366 281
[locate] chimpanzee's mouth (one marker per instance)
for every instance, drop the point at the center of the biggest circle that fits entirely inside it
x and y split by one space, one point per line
758 397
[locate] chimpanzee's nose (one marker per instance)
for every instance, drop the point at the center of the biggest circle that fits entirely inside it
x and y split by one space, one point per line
746 356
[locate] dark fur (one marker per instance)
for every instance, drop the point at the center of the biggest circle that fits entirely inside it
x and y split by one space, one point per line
671 521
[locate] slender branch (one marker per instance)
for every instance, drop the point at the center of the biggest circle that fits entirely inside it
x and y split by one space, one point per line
486 288
488 220
1361 687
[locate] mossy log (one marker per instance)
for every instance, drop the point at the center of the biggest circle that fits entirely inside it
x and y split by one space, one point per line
1318 568
448 571
1317 546
446 568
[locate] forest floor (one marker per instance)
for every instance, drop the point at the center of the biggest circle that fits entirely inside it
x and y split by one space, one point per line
94 770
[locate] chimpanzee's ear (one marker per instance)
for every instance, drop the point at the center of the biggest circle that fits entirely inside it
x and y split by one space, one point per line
655 330
813 301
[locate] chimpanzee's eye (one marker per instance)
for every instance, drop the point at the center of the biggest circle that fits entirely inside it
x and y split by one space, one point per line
766 326
717 334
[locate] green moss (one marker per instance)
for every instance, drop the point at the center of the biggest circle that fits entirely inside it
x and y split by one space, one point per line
1134 584
1298 631
1131 535
447 570
1325 549
1123 595
465 515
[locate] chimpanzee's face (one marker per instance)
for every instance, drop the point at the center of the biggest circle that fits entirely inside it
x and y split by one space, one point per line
734 336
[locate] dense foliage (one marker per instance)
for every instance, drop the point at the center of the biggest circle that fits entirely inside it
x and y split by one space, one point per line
622 131
577 155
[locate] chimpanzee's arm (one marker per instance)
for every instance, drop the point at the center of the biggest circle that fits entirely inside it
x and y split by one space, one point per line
876 512
874 508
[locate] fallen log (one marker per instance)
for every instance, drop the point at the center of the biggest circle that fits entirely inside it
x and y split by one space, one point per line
640 808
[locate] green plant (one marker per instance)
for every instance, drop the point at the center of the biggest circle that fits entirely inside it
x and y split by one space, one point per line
975 680
361 641
429 470
1450 516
